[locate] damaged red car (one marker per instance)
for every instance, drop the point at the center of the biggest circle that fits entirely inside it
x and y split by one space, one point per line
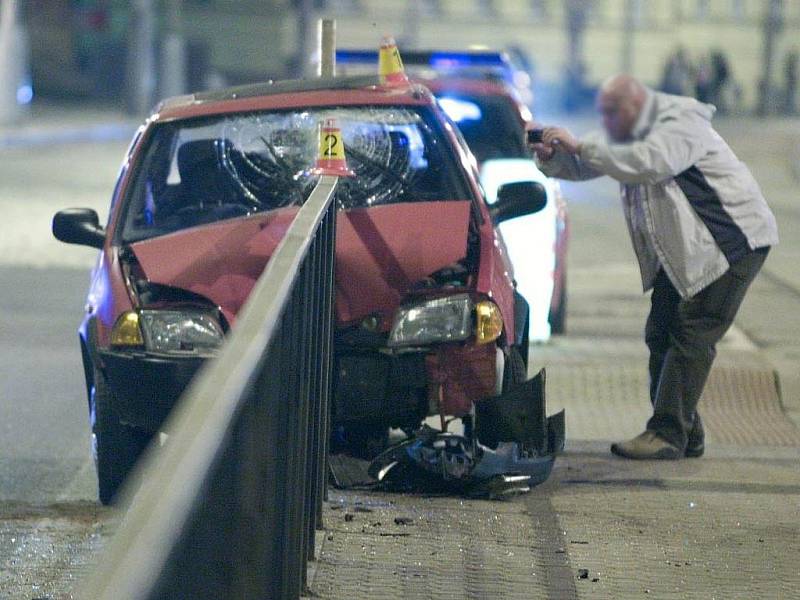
428 320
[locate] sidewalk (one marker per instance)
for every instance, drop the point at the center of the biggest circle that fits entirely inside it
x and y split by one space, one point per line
723 526
771 314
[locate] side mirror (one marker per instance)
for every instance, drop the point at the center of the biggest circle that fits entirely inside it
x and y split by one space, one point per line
518 199
79 226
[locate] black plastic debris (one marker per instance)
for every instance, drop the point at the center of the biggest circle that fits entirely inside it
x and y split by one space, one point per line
515 416
512 449
350 472
583 573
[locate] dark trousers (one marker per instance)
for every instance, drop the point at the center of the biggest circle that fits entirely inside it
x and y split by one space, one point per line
682 335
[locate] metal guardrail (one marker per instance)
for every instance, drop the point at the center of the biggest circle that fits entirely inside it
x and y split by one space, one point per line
228 508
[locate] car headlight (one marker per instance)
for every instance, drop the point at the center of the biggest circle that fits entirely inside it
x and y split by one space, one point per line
126 331
181 332
442 320
488 322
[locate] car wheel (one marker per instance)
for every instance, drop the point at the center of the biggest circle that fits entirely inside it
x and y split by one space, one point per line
558 317
116 447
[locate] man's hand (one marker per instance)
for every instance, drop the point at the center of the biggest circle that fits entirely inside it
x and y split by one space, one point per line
558 137
543 151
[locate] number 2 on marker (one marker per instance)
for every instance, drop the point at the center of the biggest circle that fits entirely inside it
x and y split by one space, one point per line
329 149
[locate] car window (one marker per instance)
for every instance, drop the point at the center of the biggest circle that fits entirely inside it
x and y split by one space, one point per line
490 124
201 171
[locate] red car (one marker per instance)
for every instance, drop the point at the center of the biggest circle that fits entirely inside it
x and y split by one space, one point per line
428 320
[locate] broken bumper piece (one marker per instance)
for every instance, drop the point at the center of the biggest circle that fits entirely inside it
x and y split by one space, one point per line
525 442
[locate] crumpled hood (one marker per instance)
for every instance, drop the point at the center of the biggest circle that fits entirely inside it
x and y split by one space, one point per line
220 261
380 253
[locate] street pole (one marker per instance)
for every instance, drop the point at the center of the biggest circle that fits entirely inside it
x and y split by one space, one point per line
628 31
410 35
575 21
15 85
173 54
141 58
327 48
773 24
576 25
300 63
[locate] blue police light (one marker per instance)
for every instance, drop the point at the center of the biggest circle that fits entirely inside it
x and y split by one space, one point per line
356 56
435 59
467 59
24 94
460 110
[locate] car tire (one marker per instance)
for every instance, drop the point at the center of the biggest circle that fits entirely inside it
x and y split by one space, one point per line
361 440
116 447
558 317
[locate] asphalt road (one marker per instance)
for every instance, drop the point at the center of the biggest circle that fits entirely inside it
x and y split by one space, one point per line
44 447
50 522
44 443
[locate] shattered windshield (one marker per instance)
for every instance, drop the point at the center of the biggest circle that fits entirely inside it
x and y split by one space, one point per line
201 171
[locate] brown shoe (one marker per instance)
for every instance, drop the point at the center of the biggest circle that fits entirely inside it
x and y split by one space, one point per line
647 446
695 446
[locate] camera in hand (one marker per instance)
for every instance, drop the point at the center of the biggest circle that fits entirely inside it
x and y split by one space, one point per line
535 136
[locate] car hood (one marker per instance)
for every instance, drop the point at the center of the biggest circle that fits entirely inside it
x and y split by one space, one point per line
381 252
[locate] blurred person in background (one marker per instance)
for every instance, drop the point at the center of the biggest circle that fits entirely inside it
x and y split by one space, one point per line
700 228
678 74
703 79
720 83
790 66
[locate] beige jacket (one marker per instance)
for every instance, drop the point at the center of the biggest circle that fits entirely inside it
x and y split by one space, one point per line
692 207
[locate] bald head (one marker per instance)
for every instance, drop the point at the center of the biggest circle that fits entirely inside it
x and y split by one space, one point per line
620 102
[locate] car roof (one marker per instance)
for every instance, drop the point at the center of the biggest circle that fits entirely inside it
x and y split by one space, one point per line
468 85
360 90
477 87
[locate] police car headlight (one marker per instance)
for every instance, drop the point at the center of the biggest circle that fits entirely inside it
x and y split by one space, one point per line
441 320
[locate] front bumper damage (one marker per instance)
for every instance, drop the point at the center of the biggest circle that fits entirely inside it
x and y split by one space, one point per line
517 450
145 386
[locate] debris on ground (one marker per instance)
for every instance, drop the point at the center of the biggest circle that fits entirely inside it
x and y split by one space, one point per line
511 450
